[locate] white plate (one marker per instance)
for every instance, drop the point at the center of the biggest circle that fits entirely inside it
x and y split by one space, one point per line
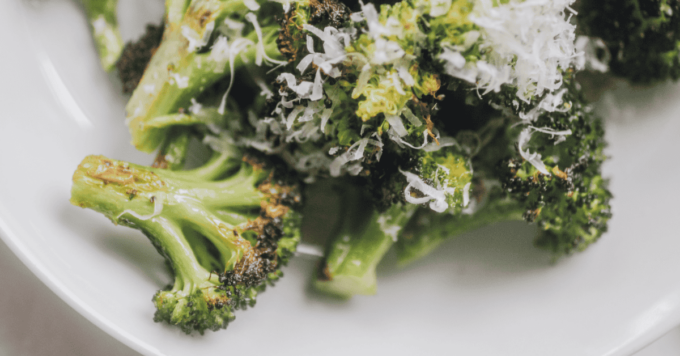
485 293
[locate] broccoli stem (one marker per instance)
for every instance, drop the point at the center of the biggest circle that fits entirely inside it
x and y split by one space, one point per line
199 245
103 21
121 190
173 153
218 165
427 229
172 244
349 266
175 9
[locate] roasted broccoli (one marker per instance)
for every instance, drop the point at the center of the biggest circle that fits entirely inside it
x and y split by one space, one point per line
101 15
642 36
225 228
358 243
204 41
443 116
372 101
570 204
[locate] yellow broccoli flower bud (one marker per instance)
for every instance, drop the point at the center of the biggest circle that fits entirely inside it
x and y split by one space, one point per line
381 97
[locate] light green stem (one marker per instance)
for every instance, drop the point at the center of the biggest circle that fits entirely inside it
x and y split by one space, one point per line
103 21
349 266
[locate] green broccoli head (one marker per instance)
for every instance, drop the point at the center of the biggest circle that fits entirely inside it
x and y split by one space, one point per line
562 189
643 36
225 233
367 86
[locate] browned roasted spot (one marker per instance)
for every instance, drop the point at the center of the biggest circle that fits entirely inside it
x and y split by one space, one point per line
425 110
217 301
531 215
334 11
109 171
415 193
253 161
257 261
430 126
204 18
278 198
322 13
160 161
261 258
290 36
324 273
131 193
112 173
556 171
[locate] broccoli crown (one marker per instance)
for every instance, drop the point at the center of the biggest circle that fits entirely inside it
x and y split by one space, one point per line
561 189
136 56
570 204
643 36
438 179
362 93
224 233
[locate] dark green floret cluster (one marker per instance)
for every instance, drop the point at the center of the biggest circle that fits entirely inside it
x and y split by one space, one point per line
642 36
136 56
570 205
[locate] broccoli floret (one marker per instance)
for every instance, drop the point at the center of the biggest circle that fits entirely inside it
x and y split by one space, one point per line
371 225
198 49
569 205
136 56
643 36
101 15
225 233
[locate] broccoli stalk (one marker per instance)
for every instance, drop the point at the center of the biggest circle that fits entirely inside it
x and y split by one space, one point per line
101 15
182 67
225 238
173 151
427 229
352 257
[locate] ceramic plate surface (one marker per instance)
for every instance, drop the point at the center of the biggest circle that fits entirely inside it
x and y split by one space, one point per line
485 293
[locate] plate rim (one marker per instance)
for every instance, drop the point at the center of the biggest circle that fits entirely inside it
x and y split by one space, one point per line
12 238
